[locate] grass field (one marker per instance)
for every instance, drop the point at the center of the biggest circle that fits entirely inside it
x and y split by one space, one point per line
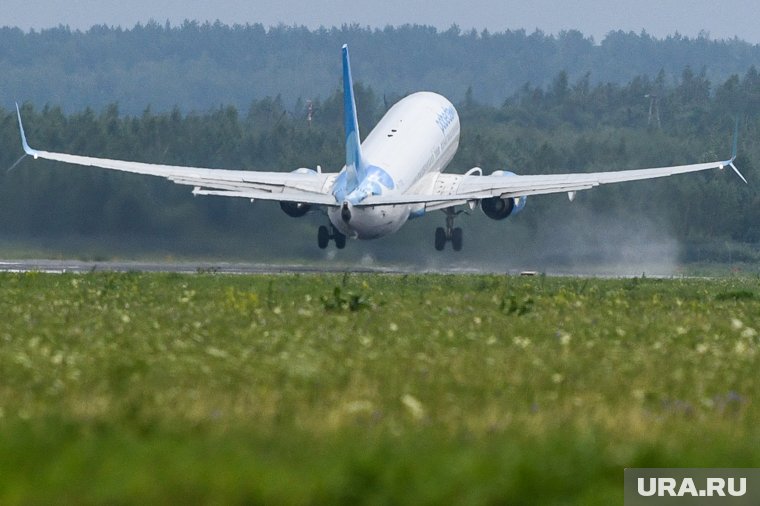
368 389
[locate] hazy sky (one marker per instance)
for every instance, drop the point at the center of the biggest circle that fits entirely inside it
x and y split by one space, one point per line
720 18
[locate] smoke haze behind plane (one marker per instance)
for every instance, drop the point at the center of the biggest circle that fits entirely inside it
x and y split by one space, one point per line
574 240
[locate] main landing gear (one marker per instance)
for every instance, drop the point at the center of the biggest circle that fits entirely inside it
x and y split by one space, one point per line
443 235
324 234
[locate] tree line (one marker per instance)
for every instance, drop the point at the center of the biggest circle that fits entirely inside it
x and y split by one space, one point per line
198 66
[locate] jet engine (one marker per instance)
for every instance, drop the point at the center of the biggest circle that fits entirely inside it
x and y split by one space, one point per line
298 209
295 209
498 208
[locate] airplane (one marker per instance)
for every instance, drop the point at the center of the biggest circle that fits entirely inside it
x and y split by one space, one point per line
394 175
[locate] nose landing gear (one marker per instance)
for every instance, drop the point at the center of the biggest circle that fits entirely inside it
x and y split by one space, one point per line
324 234
450 233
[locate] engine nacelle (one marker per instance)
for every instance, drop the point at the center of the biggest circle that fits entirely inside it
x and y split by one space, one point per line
295 209
298 209
498 208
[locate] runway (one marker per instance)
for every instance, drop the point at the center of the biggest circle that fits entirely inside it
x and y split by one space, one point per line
240 268
81 267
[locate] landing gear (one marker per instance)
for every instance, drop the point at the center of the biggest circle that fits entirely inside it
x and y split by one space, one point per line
323 237
456 239
340 240
440 238
324 234
450 233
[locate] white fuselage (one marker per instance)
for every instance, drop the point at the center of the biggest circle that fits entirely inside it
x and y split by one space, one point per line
413 143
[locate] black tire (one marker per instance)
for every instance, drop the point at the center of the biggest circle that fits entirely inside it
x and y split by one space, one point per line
340 240
456 239
440 238
323 237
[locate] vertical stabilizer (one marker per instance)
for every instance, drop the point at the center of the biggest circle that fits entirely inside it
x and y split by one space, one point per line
354 165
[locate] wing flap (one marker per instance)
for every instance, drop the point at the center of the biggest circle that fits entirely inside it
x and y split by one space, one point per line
326 200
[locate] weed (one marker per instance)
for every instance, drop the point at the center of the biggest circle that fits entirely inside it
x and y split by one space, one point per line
735 295
350 301
511 304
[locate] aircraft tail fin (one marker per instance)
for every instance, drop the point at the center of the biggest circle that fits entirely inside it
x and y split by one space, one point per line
354 165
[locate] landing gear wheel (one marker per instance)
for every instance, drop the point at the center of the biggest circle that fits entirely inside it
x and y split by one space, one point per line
456 239
327 233
440 238
340 240
443 235
323 237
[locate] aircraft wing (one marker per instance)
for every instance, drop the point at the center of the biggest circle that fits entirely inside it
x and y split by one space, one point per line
313 187
454 189
305 186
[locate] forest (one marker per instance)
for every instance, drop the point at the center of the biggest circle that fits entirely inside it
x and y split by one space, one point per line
199 66
569 121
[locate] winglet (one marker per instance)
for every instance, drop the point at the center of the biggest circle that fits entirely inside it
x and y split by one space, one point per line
354 168
27 149
737 172
734 148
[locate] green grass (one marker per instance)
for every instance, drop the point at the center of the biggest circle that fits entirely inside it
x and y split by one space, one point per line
368 389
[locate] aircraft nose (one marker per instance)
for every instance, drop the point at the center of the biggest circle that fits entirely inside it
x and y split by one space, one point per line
345 212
